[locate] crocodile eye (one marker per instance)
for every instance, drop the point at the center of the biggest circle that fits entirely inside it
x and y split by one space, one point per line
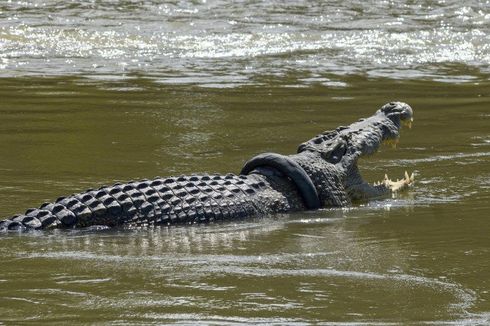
334 152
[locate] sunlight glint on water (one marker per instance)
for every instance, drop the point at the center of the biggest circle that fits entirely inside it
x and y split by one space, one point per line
245 41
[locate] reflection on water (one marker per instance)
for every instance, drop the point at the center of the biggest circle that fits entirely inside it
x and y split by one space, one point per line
267 270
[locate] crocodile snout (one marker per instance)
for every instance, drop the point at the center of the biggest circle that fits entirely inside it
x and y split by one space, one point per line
398 112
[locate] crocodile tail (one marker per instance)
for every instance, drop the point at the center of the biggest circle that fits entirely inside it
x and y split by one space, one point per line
109 206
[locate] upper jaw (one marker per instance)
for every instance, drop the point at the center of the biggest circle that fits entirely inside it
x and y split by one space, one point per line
345 144
368 134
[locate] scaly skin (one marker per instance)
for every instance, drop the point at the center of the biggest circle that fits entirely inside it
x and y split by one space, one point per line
329 159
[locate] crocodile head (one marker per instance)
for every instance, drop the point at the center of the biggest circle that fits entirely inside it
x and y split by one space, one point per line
345 145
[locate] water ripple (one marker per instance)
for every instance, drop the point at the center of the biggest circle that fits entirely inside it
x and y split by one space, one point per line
175 43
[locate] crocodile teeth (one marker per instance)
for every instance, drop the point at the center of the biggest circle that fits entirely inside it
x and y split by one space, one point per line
407 179
408 123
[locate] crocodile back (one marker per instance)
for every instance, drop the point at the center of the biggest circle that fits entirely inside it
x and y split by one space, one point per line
174 200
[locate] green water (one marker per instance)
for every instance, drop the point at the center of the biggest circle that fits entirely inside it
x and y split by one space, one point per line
420 257
95 92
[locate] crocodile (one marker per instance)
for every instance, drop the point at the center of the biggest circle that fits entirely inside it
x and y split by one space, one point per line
323 173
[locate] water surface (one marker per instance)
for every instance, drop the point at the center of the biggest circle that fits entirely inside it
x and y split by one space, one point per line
93 93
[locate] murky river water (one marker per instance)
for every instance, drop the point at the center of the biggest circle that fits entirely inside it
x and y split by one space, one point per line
92 92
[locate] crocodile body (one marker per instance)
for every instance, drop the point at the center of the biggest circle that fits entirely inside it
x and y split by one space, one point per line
322 174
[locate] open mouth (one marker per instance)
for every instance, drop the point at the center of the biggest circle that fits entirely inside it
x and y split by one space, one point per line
364 139
402 120
408 179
